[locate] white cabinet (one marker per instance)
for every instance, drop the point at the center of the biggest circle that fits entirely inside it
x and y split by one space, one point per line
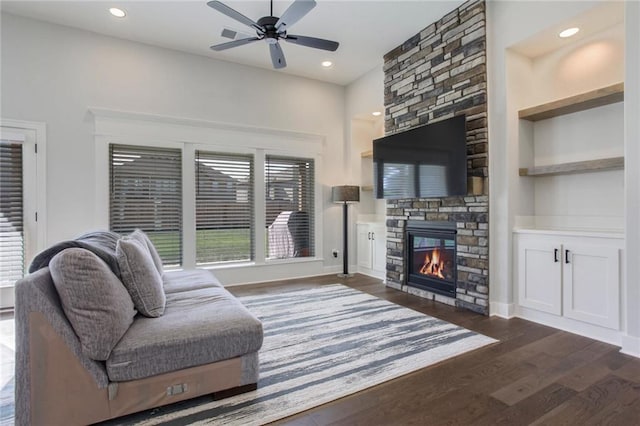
591 284
576 277
372 249
539 275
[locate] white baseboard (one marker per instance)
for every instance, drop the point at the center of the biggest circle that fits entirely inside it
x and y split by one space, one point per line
502 310
372 273
630 345
332 270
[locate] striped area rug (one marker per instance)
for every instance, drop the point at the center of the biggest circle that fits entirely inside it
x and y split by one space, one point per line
322 344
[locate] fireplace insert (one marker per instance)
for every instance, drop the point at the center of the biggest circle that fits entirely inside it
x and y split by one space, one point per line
431 256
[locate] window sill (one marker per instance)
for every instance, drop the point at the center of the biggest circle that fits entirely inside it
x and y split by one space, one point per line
267 262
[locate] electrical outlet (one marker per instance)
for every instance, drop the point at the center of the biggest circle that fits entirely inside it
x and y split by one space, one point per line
335 253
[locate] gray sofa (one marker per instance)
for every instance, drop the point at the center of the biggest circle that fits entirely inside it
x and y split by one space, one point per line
205 342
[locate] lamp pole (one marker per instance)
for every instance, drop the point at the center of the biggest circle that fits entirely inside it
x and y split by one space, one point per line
345 245
344 195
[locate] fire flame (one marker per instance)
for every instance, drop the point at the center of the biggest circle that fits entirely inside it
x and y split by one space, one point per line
433 265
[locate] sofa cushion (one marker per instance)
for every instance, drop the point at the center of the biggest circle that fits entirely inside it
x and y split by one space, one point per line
198 327
94 300
139 235
140 277
189 279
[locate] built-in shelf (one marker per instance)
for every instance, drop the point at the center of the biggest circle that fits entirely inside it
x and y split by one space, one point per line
613 163
595 98
367 154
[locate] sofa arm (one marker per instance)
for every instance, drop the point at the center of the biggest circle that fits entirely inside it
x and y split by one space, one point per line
48 352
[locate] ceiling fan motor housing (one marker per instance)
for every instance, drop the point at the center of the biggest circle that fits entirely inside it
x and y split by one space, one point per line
271 34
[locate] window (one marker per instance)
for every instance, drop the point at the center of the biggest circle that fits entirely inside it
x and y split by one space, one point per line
12 237
146 193
224 207
289 195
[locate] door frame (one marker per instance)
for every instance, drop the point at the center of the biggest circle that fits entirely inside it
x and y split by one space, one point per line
34 135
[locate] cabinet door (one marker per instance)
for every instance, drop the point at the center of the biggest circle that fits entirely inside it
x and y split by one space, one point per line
364 245
379 248
591 282
539 274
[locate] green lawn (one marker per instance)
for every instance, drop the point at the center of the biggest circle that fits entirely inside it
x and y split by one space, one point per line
220 245
212 245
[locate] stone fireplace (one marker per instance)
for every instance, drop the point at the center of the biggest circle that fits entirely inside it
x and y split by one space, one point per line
436 74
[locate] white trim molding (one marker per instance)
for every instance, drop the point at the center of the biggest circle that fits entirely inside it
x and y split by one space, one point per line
501 310
39 131
132 124
630 345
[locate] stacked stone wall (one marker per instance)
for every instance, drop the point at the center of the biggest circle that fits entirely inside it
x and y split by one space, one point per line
436 74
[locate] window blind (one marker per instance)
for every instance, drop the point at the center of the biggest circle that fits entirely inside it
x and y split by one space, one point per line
146 193
289 207
11 213
224 207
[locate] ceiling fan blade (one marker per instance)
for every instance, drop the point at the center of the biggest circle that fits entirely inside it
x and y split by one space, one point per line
235 43
297 10
277 56
318 43
234 14
234 34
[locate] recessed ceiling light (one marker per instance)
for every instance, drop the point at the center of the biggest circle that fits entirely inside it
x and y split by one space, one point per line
376 113
327 64
569 32
118 13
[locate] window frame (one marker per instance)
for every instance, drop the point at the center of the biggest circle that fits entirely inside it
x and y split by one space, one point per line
190 135
151 152
289 156
209 149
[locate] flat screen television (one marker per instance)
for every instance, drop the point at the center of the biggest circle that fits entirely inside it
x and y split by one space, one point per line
424 162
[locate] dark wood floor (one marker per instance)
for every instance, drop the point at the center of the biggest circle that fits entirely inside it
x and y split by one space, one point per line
534 375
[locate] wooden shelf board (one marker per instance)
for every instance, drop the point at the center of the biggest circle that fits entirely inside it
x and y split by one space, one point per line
613 163
595 98
367 187
367 154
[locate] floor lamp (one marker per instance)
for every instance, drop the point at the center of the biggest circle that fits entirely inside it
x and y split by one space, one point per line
345 194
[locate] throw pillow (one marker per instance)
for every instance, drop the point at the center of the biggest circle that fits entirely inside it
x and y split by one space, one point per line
139 235
94 300
140 277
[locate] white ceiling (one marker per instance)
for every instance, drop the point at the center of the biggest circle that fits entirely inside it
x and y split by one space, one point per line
366 30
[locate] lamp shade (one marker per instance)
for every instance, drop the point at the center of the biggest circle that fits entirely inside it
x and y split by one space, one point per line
345 194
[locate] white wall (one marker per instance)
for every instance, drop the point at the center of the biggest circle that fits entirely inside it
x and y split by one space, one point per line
364 96
53 74
592 62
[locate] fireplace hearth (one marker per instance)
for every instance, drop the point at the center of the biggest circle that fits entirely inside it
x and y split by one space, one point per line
431 256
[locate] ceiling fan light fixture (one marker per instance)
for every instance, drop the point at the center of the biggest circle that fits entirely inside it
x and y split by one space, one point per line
327 64
117 12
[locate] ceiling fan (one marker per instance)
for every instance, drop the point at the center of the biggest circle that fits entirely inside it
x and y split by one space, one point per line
271 29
